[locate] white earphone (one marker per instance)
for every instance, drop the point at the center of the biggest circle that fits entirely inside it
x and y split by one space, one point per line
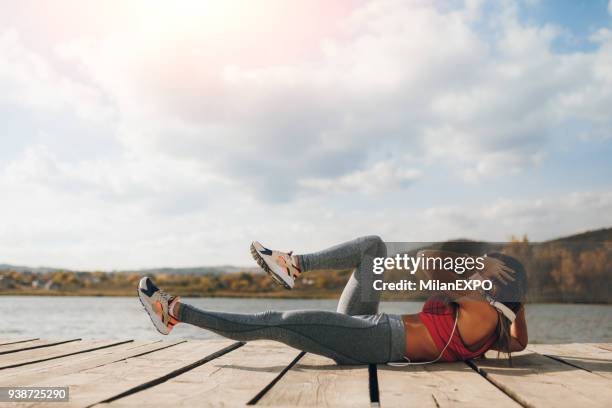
505 310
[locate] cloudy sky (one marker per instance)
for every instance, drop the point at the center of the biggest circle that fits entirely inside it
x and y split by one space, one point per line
153 133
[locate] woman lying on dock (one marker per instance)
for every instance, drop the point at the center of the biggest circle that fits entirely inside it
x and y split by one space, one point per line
455 326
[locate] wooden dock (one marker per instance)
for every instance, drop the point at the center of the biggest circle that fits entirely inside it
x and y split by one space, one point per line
115 374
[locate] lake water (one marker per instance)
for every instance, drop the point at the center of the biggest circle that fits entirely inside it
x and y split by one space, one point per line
124 318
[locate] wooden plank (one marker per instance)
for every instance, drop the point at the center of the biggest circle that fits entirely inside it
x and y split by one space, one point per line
607 347
538 381
438 385
230 380
319 381
52 352
31 345
5 342
98 384
30 374
586 356
234 378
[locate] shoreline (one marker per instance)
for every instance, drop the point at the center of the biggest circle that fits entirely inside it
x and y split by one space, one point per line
220 294
263 295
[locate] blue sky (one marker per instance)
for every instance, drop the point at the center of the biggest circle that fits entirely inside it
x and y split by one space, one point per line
144 133
580 18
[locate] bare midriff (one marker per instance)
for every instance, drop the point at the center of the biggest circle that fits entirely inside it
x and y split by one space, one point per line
419 344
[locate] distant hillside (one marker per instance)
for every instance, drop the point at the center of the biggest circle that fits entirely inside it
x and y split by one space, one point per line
199 270
600 235
574 268
41 269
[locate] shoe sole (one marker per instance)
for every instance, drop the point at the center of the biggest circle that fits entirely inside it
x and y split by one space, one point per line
262 263
152 315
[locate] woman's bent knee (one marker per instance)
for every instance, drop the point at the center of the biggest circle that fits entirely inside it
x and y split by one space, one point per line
374 245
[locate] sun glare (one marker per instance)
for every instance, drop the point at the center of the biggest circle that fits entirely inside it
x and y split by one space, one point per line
192 16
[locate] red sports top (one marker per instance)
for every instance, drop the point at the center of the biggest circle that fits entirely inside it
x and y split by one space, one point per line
438 316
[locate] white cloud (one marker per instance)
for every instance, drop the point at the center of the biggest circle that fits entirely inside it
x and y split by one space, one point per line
541 218
216 150
45 226
155 183
28 79
404 74
381 177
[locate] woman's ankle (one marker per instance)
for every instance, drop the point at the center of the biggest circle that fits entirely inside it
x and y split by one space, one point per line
175 309
295 259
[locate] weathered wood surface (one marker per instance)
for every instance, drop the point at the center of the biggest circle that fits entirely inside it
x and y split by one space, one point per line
33 373
4 342
129 374
31 345
589 357
438 385
51 351
318 381
535 380
607 347
97 384
245 370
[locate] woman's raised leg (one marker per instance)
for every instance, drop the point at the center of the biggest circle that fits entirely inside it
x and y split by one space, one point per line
359 296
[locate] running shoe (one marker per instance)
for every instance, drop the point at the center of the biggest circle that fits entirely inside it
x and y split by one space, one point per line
277 264
158 304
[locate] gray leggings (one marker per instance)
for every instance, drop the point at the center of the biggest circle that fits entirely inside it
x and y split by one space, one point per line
355 334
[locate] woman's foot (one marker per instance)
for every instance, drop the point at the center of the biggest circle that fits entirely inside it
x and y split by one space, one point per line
280 265
158 305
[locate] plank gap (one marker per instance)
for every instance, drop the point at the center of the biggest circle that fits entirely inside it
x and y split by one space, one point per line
136 355
39 346
171 374
64 355
373 384
435 400
19 341
562 361
497 385
267 388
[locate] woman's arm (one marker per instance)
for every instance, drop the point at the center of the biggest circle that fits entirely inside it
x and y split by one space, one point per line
431 271
518 334
493 269
518 331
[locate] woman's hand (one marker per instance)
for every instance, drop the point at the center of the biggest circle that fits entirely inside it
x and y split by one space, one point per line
496 269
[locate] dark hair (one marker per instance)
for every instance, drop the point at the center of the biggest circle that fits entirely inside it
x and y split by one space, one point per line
511 294
464 246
